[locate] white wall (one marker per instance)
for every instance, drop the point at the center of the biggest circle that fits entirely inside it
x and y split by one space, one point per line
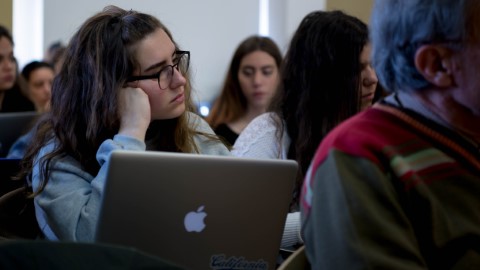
210 29
297 11
27 30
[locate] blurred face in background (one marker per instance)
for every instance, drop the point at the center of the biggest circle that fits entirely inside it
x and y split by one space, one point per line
259 77
368 78
7 64
40 88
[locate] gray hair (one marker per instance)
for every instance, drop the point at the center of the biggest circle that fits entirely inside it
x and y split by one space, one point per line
400 27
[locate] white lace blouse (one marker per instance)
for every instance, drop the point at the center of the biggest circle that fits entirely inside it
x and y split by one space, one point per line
260 140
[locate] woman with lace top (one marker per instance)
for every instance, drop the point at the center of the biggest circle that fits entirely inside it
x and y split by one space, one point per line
326 78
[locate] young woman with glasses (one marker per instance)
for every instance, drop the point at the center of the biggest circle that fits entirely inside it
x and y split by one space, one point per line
123 85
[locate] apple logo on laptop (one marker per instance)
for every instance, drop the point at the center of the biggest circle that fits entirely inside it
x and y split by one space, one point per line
194 221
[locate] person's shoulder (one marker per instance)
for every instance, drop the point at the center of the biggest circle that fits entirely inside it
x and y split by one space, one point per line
193 117
199 124
263 123
260 128
47 148
206 141
364 134
268 118
259 139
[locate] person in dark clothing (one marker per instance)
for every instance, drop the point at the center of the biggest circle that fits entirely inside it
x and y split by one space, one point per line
11 94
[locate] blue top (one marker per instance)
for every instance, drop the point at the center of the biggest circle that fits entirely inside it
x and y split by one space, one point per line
19 147
68 207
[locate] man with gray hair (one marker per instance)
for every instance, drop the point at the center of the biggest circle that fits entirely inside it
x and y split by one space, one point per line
398 185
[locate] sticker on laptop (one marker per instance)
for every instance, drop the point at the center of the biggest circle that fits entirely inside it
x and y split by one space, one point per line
221 262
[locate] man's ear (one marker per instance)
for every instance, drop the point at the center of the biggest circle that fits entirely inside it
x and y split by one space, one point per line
435 64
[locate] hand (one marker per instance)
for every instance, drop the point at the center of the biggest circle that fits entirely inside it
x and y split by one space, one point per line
134 112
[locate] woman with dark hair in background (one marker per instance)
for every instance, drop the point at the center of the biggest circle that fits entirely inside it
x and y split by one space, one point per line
39 79
249 86
326 78
54 55
123 86
11 96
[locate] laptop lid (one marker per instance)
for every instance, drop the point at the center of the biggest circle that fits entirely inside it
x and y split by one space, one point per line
197 211
12 126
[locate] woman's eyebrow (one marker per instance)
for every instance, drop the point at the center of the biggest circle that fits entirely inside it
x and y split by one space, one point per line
154 66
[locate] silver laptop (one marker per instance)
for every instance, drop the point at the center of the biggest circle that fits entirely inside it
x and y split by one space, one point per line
197 211
12 126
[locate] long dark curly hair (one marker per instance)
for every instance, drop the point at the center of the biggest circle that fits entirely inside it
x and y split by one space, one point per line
320 82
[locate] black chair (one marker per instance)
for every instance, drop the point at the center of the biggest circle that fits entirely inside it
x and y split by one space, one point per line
17 213
41 254
8 169
12 126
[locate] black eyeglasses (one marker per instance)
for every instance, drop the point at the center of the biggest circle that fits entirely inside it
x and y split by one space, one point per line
164 76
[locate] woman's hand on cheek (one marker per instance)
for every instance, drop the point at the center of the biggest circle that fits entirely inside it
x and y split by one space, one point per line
134 112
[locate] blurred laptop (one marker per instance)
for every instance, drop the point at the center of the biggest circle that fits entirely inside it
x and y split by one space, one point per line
12 126
198 211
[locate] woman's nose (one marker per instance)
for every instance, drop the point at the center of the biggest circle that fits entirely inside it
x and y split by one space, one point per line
257 77
178 79
371 77
7 65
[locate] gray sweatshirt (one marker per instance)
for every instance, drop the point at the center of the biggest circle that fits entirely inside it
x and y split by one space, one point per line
68 207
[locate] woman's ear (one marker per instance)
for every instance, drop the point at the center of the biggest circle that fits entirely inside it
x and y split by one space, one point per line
434 62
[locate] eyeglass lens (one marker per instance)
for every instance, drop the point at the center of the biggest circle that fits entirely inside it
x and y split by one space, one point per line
166 74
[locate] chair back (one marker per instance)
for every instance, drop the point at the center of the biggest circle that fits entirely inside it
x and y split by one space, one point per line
9 167
58 255
12 126
17 213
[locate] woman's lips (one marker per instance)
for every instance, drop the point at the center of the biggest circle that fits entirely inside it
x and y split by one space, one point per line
8 78
179 98
368 96
258 94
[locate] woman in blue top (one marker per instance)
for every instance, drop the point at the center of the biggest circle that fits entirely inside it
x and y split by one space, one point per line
123 85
